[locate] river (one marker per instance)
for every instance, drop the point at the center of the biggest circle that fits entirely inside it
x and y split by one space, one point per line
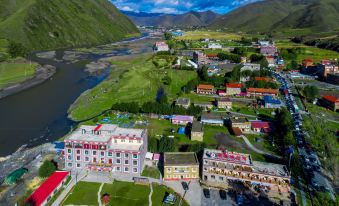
39 114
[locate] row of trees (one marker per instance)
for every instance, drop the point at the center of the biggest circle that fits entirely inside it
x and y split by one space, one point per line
229 56
283 136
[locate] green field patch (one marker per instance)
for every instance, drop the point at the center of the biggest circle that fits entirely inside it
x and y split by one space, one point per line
83 193
152 172
12 72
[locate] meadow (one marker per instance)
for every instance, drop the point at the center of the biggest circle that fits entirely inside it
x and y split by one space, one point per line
15 72
197 35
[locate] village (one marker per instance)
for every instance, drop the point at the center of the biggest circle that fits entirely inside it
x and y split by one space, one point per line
222 139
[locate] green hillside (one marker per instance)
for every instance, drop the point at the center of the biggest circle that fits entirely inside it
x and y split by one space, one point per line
50 24
298 16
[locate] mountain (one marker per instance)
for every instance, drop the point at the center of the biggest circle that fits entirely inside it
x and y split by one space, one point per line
51 24
281 15
189 19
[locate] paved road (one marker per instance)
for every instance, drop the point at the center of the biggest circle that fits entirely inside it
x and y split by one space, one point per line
150 195
99 194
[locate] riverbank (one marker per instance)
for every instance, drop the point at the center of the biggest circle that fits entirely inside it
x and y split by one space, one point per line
42 74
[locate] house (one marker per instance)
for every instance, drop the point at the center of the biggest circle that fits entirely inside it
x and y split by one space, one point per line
271 61
183 102
329 69
161 46
200 58
307 63
233 89
242 123
197 132
261 127
218 167
182 119
214 46
264 43
250 67
106 147
205 89
215 119
221 93
269 102
255 92
224 103
330 102
46 191
181 166
212 56
205 106
268 50
326 62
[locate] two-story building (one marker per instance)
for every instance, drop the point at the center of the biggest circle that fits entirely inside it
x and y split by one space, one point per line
205 89
259 92
224 103
106 147
197 131
219 168
242 123
233 89
181 166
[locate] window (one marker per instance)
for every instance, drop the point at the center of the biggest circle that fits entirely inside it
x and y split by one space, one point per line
115 141
122 140
221 178
135 156
110 154
168 169
69 151
126 162
130 141
87 159
78 158
94 152
126 169
212 177
126 155
139 141
69 157
86 152
69 164
102 153
118 168
135 170
78 151
78 165
118 154
118 161
135 162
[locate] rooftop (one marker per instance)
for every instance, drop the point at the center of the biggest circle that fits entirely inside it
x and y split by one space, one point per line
270 169
239 120
183 101
227 156
197 126
233 85
330 98
211 115
224 100
183 118
42 193
205 86
180 158
263 90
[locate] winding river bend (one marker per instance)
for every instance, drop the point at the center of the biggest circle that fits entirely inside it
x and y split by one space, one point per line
39 114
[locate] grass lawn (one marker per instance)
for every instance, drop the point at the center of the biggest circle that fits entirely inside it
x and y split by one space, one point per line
151 172
131 80
84 193
12 73
159 193
198 98
263 144
197 35
126 193
211 131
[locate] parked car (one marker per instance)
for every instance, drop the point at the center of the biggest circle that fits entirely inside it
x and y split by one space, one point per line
184 186
207 193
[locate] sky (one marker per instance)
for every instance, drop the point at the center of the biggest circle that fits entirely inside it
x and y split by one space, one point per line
179 6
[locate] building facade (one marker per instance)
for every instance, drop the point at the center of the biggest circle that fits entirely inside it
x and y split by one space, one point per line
242 123
233 89
224 103
222 167
259 92
106 147
200 58
181 166
161 46
197 132
205 89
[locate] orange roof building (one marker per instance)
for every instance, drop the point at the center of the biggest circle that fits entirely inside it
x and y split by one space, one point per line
261 92
233 85
205 89
233 88
307 62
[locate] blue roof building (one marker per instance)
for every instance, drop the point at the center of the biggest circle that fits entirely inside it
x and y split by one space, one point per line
271 103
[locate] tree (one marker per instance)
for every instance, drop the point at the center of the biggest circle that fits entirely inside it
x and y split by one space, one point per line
202 73
167 80
166 144
294 65
168 35
153 144
17 49
310 92
47 168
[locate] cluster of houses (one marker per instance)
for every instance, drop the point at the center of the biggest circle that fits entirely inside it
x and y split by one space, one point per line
326 69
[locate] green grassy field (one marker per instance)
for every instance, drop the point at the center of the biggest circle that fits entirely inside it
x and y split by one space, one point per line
84 193
151 172
12 73
159 193
196 35
131 80
210 132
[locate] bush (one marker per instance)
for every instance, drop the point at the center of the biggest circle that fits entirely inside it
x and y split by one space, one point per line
17 50
46 169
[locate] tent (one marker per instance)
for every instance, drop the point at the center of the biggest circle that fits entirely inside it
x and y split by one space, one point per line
13 177
181 130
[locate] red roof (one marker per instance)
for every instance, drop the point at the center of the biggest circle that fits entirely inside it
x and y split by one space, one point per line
262 90
260 125
266 79
212 55
308 60
47 188
236 131
330 98
233 85
205 86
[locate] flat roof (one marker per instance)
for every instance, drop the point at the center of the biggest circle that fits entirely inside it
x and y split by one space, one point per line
239 120
215 116
183 101
197 126
270 169
180 158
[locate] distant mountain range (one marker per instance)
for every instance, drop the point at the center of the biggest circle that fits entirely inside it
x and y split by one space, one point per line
189 19
50 24
281 15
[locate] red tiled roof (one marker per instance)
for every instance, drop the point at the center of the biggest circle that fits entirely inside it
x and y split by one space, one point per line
205 86
262 90
260 125
266 79
308 60
47 188
236 131
212 55
330 98
233 85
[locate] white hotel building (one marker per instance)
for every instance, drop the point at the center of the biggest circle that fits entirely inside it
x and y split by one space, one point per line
106 147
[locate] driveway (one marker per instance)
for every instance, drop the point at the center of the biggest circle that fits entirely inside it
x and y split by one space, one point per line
192 196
